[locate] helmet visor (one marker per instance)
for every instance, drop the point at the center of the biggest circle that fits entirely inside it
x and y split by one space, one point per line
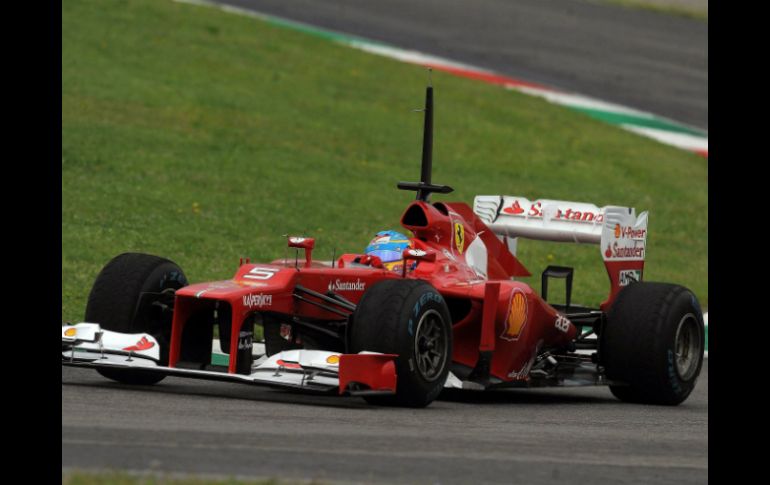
386 255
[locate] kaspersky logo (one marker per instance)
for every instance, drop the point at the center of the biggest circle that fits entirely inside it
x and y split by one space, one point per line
258 300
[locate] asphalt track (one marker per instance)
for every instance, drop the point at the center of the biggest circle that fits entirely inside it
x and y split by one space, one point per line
579 435
642 59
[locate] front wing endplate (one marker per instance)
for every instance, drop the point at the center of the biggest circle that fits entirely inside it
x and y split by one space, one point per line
312 370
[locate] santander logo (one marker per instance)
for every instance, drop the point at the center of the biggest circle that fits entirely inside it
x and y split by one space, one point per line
340 285
565 213
617 251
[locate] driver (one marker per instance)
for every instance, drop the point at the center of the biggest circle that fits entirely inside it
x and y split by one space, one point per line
388 246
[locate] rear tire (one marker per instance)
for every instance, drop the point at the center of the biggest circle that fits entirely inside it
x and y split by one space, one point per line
116 303
408 318
653 343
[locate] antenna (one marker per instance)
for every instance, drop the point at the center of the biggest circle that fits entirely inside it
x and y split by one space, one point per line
427 142
424 187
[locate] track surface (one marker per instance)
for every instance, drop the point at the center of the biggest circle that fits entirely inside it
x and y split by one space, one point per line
526 436
638 58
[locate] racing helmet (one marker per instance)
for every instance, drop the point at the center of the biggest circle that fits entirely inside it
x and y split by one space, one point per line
388 246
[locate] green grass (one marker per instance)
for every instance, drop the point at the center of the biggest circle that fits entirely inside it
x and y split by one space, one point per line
204 136
669 8
122 478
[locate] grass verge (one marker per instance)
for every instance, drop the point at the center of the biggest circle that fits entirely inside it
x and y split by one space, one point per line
123 478
692 10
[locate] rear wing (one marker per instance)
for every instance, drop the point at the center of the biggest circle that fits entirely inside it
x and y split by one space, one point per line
619 232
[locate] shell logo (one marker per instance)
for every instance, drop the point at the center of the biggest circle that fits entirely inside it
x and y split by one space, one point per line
333 359
70 332
617 231
517 316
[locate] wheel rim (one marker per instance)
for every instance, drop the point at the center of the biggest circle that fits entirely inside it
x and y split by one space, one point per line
687 347
430 345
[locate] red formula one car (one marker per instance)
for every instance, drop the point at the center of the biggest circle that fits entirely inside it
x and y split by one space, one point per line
452 315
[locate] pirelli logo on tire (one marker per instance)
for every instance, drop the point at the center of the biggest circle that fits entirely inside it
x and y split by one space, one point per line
516 318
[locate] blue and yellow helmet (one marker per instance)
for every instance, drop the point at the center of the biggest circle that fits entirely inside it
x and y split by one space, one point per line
388 246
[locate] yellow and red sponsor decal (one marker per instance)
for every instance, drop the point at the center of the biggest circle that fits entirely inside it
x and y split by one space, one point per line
142 344
288 365
517 315
515 208
71 332
333 359
629 232
459 232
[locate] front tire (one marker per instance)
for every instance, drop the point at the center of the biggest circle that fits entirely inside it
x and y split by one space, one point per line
134 293
408 318
652 343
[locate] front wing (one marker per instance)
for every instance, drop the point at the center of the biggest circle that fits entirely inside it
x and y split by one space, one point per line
87 345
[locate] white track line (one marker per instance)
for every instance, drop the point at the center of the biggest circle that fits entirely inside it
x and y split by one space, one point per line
681 140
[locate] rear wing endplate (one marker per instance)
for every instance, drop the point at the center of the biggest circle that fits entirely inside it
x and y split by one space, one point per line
619 232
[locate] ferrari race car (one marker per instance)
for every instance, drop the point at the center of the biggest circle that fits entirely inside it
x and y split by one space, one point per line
451 315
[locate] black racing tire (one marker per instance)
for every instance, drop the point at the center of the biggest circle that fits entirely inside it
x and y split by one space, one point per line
411 319
652 344
116 304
